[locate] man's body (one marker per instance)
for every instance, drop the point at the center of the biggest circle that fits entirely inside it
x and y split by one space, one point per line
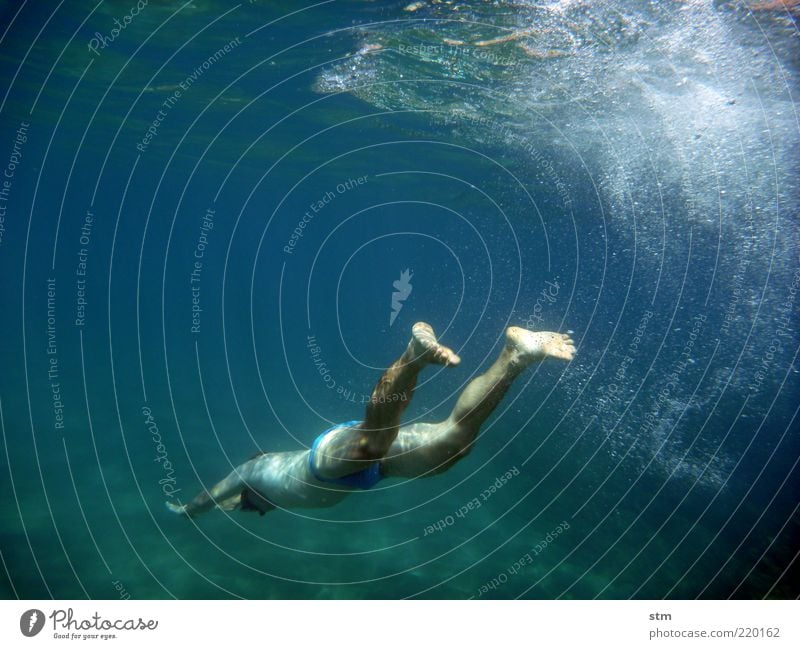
356 455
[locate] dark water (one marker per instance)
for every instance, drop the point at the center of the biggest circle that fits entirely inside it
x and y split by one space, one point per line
623 170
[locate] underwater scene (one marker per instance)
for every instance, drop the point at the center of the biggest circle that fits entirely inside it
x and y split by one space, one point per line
220 221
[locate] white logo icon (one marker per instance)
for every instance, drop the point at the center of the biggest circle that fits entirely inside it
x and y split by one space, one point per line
402 291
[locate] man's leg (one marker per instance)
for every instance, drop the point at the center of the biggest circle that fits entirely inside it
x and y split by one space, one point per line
349 450
226 494
425 449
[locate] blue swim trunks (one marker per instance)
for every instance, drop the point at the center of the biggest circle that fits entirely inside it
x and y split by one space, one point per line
364 479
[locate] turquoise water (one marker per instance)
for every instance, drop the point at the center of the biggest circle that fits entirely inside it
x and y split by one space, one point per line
626 171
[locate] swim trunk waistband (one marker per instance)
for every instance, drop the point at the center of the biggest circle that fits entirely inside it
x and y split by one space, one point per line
364 479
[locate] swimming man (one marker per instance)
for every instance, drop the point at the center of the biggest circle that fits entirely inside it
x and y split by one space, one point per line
356 455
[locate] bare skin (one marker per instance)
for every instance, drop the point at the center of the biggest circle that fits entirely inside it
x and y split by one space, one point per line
285 480
424 449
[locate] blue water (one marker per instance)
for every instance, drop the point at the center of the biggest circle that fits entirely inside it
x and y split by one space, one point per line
626 171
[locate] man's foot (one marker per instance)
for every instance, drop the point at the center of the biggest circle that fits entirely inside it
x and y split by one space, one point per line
427 349
537 345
